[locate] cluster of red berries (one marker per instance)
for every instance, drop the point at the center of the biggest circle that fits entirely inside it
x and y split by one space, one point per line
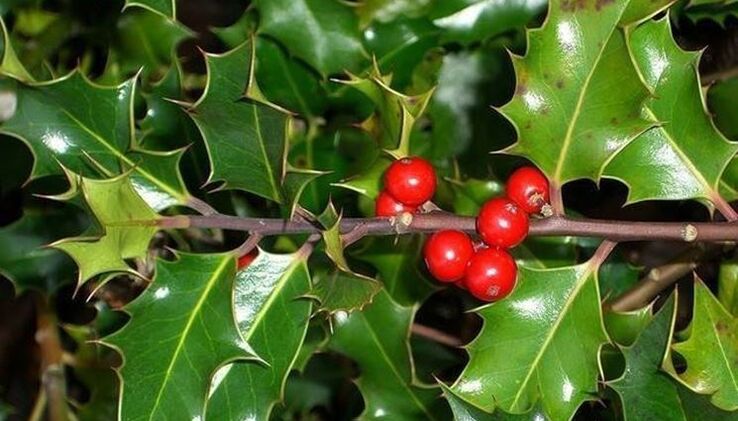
486 270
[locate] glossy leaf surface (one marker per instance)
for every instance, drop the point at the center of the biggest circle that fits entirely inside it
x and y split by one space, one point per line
182 329
711 351
273 316
685 155
577 93
343 291
376 338
324 33
89 129
245 139
556 333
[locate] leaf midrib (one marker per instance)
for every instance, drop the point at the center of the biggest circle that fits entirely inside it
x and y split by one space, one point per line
180 344
272 297
402 382
581 282
124 158
578 108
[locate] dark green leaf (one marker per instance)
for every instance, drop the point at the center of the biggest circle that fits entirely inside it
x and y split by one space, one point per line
272 316
646 391
23 257
377 339
464 411
467 21
246 139
728 287
88 129
398 260
182 329
324 33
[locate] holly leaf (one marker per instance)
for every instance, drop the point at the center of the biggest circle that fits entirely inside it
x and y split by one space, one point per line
578 93
182 329
245 139
166 8
468 21
395 114
397 261
24 259
377 339
10 65
718 101
325 34
88 128
369 182
464 411
624 328
711 351
399 46
127 223
389 10
556 332
343 291
698 407
288 82
728 287
685 155
273 318
143 40
646 391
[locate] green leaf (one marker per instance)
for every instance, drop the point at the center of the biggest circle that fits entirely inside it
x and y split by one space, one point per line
23 257
556 332
578 93
470 195
377 339
143 40
10 65
369 182
273 318
343 291
685 155
646 391
720 102
334 246
399 46
246 139
624 328
294 185
464 411
167 8
698 407
395 113
128 225
287 81
324 33
711 351
398 261
182 329
638 11
88 128
728 287
389 10
617 276
467 21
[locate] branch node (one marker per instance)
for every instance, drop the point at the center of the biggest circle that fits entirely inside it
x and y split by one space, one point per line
402 222
689 233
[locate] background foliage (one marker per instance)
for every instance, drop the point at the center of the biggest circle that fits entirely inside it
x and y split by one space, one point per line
113 119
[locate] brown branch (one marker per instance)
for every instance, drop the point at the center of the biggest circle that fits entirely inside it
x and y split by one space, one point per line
660 278
553 226
52 368
435 335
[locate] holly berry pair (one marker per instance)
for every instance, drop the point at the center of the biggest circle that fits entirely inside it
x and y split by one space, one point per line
489 272
408 183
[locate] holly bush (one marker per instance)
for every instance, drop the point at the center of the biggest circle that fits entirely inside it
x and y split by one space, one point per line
188 188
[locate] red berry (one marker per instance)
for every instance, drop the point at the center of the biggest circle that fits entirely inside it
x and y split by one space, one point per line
491 274
386 205
502 223
528 187
246 259
447 254
411 180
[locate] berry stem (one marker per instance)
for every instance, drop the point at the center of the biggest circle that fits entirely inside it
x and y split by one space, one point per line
554 226
557 201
